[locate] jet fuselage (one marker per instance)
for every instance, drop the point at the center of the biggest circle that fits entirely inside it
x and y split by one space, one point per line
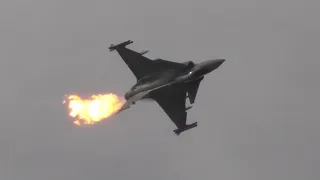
167 77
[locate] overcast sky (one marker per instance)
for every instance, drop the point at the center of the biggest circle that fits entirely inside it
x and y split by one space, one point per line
258 114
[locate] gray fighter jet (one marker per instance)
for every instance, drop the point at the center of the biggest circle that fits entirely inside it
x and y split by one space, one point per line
166 82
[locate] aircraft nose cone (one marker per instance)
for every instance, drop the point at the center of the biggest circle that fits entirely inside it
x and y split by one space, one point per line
216 63
220 61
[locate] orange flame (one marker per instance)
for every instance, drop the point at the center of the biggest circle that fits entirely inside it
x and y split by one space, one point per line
94 109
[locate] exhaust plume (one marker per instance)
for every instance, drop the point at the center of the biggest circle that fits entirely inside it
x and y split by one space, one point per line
93 109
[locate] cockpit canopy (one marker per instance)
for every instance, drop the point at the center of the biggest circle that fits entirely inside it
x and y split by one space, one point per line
189 64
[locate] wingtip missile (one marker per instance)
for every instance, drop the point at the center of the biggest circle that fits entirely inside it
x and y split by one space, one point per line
123 44
187 127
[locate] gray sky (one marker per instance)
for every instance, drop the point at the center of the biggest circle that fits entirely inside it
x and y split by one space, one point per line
258 114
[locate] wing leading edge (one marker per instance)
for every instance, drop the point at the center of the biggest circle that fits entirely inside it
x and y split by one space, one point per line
140 65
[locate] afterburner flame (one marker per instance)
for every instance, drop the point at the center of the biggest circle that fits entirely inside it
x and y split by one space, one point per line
94 109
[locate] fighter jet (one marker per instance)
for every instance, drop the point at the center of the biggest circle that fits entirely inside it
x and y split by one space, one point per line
166 82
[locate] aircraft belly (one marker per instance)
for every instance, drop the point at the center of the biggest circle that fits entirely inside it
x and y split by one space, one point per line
194 78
